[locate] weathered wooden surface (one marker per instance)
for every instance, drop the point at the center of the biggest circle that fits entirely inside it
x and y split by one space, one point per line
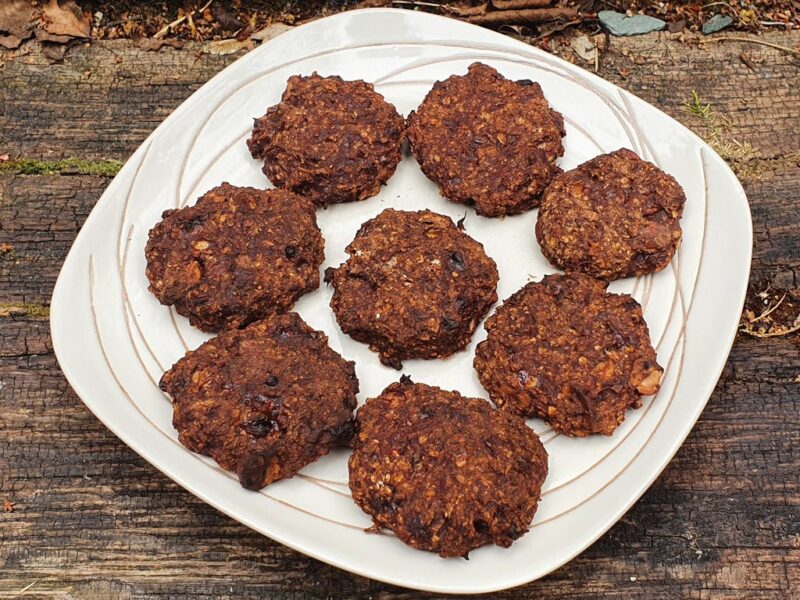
93 520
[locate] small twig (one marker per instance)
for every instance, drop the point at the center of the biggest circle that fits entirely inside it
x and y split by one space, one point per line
466 11
27 587
750 40
769 311
164 30
415 3
521 17
520 4
190 23
777 333
716 4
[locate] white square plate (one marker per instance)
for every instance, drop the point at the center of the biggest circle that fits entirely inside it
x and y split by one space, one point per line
113 339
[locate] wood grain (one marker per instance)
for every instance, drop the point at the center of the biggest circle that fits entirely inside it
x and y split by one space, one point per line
93 520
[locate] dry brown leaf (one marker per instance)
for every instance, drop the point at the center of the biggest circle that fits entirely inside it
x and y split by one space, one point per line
372 3
676 26
583 6
8 506
245 33
514 17
66 19
748 62
272 31
17 18
520 31
10 41
228 20
44 36
548 29
54 52
467 11
222 47
583 47
520 4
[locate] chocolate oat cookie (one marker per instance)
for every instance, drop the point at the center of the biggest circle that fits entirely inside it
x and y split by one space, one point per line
235 256
565 350
415 286
613 216
263 401
329 140
487 141
446 473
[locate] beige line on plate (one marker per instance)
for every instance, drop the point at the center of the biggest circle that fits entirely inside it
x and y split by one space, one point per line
682 337
686 313
619 113
130 315
676 293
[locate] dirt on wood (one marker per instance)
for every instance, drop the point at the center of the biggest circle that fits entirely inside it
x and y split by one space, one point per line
771 312
63 21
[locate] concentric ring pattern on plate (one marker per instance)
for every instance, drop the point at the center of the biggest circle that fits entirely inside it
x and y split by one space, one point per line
114 340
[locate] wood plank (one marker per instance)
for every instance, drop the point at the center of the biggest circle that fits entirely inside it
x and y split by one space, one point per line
719 523
108 96
665 71
40 217
102 102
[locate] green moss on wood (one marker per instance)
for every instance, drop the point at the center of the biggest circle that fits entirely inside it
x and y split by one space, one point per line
743 157
10 309
67 166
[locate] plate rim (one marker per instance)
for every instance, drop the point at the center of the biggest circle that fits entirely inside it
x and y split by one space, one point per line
59 344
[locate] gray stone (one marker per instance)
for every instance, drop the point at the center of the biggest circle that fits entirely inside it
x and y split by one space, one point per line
716 23
620 24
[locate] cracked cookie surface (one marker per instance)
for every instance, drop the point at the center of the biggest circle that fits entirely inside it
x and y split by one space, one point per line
445 473
263 401
328 139
487 141
414 286
235 256
614 216
565 350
